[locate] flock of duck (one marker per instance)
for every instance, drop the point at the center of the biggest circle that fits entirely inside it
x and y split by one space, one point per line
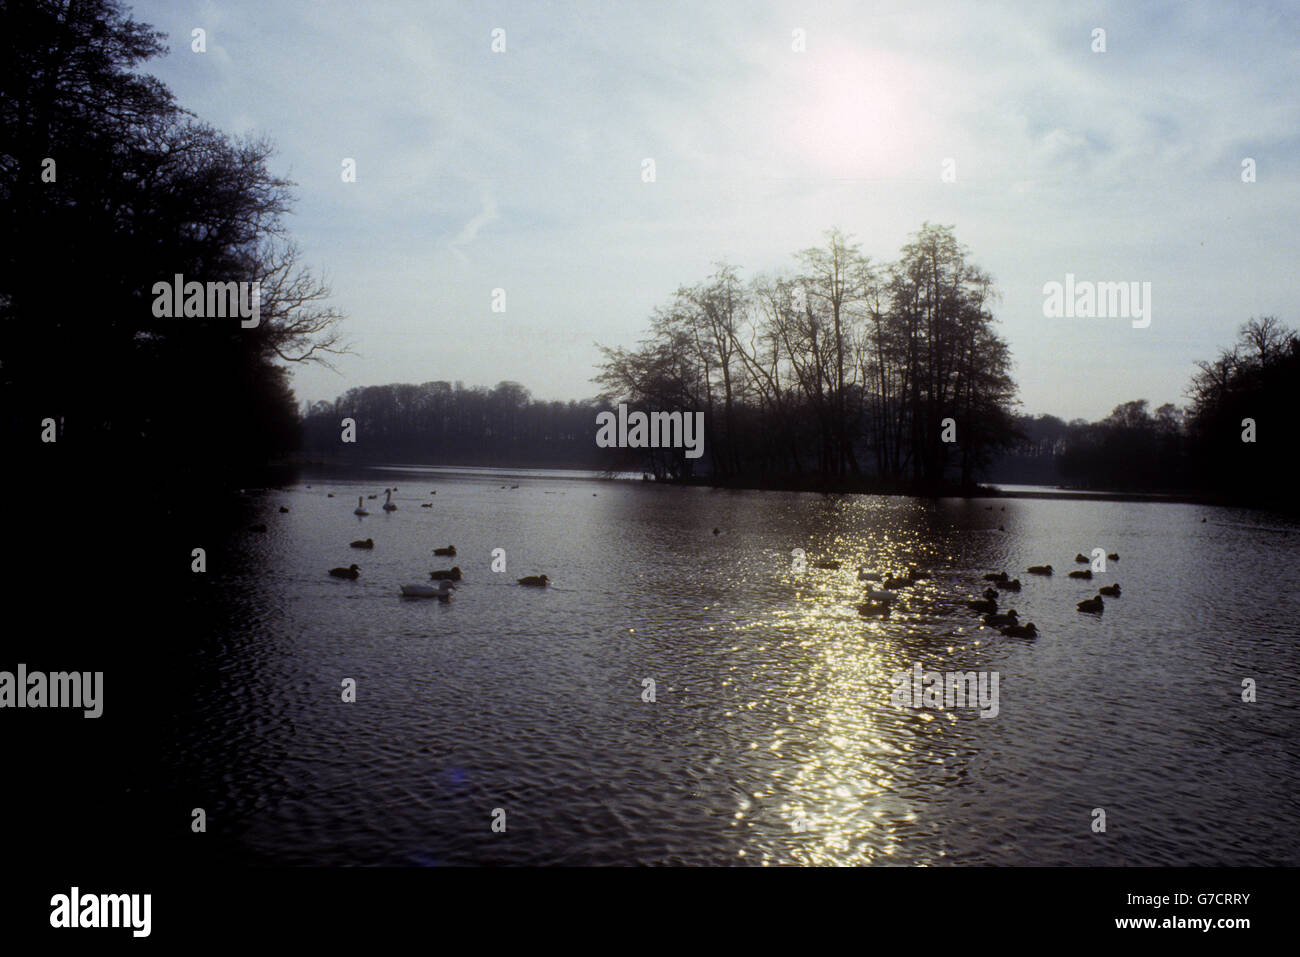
880 599
444 579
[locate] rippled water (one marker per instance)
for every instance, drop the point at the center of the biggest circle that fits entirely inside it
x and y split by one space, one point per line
772 738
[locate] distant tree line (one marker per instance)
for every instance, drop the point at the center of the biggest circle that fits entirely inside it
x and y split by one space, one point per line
108 187
439 423
838 371
1250 391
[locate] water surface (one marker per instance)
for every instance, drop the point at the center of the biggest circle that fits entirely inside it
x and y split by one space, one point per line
772 739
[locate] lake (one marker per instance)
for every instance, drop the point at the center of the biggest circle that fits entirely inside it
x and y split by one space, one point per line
772 738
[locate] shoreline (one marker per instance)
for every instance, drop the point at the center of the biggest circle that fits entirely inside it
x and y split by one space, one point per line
813 485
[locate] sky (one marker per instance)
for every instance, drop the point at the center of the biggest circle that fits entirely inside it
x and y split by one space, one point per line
522 170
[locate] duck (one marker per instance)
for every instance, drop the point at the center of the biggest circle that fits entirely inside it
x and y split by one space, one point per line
1021 631
1040 569
1078 557
1111 591
352 571
329 494
425 505
1010 618
360 510
1086 573
376 495
716 531
449 551
1113 556
363 543
514 486
449 574
388 501
1013 585
540 581
996 577
283 509
988 606
1092 604
434 492
991 594
827 564
442 591
259 527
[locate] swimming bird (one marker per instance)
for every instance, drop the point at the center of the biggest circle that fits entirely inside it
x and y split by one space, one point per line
1079 558
259 527
449 574
1111 591
996 577
869 575
283 509
450 550
988 606
991 594
1113 556
1086 573
376 495
826 564
1020 631
539 580
363 543
1013 585
1040 569
1010 618
514 486
716 531
1092 604
329 494
388 501
434 492
442 591
359 510
425 505
352 571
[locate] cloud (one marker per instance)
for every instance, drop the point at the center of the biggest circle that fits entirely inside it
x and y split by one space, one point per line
469 231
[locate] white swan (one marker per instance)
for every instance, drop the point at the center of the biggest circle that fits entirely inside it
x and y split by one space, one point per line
443 590
388 501
359 510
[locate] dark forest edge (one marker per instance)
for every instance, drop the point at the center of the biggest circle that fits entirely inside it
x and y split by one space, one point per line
1192 455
